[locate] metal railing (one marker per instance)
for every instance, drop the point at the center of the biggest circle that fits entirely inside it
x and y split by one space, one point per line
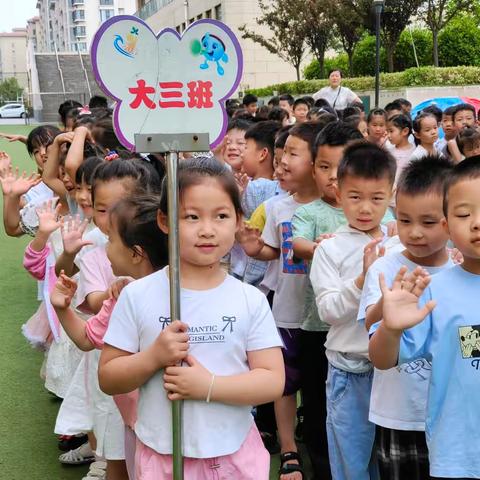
151 7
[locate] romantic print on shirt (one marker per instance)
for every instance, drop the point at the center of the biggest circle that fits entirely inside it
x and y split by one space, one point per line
470 341
206 333
291 264
421 368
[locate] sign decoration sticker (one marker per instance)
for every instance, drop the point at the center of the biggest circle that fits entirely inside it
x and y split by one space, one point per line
167 82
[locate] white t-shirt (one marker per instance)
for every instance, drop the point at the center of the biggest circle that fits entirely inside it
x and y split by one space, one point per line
224 323
336 263
292 273
421 152
399 395
338 98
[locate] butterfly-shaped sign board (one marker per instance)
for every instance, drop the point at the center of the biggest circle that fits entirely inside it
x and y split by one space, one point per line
167 83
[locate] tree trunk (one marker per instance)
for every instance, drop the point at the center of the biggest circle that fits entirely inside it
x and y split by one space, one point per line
350 62
321 66
435 46
297 70
390 59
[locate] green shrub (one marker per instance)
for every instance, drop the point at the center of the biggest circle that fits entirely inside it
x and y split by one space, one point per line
412 77
312 70
459 43
404 55
364 57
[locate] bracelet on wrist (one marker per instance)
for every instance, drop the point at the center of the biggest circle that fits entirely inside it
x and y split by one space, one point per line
210 388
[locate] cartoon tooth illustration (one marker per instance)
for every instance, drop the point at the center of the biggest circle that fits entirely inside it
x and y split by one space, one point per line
213 49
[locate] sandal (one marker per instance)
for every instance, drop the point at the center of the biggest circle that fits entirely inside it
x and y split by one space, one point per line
97 471
287 468
79 456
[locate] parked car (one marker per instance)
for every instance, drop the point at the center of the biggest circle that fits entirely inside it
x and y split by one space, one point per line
13 110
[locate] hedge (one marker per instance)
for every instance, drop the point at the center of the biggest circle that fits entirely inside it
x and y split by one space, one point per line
412 77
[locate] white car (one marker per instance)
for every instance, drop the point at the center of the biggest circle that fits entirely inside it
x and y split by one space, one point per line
13 110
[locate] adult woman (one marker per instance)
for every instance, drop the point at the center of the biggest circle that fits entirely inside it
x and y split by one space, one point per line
337 96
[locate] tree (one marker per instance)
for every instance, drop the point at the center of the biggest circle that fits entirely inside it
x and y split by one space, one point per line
437 14
10 89
396 16
459 43
286 23
349 24
418 39
317 25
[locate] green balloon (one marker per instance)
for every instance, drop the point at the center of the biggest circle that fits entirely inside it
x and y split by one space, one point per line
196 47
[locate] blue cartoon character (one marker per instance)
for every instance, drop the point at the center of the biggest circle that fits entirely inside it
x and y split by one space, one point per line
213 49
127 48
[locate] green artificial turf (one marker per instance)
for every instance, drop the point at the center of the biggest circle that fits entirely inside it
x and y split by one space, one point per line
28 447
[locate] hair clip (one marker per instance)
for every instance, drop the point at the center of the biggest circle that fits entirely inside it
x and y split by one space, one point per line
111 155
85 110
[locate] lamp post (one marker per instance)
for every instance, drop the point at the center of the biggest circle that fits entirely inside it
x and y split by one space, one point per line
378 4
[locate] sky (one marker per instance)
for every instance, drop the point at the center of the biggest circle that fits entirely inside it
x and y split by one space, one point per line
18 15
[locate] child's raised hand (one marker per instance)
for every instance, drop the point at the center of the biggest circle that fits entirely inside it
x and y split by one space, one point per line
242 182
5 160
116 287
15 184
84 132
187 383
13 138
48 216
392 228
250 239
171 346
323 236
72 233
370 254
400 303
63 292
66 137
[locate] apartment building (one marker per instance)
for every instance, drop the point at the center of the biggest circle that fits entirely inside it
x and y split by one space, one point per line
13 55
69 25
261 68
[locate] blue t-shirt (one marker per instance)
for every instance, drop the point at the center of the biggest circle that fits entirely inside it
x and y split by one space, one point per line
450 338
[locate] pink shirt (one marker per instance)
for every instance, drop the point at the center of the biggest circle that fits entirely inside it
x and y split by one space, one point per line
95 275
96 327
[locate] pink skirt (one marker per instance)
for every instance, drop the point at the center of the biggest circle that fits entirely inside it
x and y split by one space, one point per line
37 329
251 462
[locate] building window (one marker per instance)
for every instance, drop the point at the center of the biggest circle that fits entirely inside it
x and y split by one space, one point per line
106 2
121 11
78 15
106 14
178 28
80 47
218 12
199 17
183 26
79 31
208 14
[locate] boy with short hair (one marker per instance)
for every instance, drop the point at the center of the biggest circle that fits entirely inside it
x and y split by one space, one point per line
286 102
301 108
258 165
276 243
323 215
468 141
463 116
406 105
250 103
365 181
235 143
399 395
437 319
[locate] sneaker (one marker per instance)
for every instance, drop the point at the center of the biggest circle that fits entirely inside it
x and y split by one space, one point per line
71 442
79 456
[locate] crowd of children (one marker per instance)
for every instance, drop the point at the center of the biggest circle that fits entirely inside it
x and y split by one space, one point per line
328 262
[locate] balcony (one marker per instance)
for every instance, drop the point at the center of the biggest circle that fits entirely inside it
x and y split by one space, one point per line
78 15
151 7
74 3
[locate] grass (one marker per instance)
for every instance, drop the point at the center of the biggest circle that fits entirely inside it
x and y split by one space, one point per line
28 447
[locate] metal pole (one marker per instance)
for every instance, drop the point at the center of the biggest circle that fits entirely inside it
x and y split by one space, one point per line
378 12
174 277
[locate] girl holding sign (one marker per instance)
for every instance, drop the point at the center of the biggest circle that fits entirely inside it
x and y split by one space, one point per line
228 344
